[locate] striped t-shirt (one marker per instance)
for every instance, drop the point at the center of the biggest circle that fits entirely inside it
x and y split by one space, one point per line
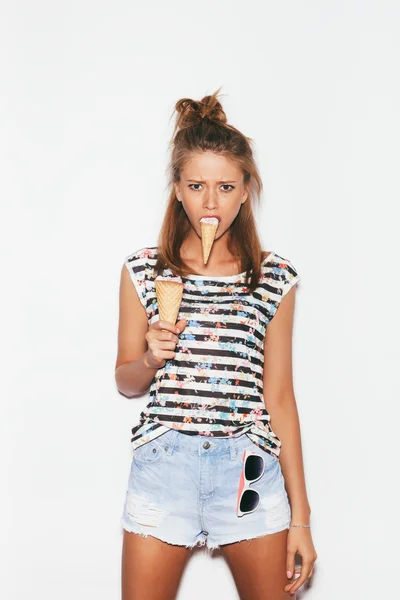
214 385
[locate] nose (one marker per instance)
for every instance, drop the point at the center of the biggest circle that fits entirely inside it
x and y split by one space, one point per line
210 200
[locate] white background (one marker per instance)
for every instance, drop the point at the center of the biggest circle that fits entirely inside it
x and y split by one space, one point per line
87 90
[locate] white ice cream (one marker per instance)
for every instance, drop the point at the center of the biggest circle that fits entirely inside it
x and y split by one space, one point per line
212 220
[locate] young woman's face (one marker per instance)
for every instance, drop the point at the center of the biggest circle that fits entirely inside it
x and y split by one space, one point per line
211 185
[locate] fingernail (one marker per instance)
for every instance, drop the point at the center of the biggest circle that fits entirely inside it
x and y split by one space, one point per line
177 330
289 574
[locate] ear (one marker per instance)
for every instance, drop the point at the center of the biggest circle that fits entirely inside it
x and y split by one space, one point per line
245 194
177 191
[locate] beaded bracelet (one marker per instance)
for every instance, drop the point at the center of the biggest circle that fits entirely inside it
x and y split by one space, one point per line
299 525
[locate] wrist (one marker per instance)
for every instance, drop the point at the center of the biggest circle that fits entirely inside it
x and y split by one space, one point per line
146 362
300 515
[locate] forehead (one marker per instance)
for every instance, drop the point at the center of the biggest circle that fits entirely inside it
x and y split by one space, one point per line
208 165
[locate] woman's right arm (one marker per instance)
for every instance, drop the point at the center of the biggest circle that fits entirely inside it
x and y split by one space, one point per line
142 350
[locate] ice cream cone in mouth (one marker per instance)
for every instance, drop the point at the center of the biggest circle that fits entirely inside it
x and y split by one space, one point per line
208 228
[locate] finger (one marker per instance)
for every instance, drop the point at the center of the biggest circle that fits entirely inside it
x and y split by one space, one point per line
296 574
166 326
161 336
305 569
166 347
290 563
181 324
168 336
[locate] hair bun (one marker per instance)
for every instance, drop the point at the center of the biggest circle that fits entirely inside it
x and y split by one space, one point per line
191 112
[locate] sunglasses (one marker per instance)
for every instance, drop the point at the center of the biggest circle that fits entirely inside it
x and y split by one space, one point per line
253 468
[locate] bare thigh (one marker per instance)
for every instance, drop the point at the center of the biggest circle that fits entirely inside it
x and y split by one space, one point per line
151 568
258 567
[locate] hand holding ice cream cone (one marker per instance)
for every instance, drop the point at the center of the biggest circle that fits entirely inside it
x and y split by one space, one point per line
160 346
169 292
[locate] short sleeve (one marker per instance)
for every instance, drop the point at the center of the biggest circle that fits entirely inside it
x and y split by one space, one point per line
288 275
279 275
138 266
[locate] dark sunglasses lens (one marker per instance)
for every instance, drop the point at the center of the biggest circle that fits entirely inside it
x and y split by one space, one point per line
249 501
254 467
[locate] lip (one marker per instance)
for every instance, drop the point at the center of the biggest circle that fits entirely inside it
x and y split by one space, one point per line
209 216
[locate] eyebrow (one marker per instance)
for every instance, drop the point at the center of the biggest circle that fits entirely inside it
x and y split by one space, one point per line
201 181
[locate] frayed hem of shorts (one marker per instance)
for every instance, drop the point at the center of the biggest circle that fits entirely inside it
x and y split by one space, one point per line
253 537
129 529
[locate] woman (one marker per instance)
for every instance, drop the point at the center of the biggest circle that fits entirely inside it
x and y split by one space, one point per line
211 464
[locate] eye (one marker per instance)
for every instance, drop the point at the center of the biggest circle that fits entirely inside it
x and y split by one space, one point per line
224 185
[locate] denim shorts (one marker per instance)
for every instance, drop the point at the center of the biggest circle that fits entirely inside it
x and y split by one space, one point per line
183 489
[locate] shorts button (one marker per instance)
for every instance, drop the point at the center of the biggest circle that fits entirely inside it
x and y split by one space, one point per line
206 445
154 450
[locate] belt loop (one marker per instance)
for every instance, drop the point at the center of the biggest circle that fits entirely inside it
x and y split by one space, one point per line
172 443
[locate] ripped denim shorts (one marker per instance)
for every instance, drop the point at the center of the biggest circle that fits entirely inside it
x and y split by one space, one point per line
183 489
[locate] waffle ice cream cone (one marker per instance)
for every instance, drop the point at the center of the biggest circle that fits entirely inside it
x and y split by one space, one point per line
208 228
169 292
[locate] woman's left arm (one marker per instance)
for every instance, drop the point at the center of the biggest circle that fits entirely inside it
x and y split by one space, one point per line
280 403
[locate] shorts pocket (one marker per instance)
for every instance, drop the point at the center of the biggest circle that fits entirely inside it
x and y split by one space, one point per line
148 453
270 460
